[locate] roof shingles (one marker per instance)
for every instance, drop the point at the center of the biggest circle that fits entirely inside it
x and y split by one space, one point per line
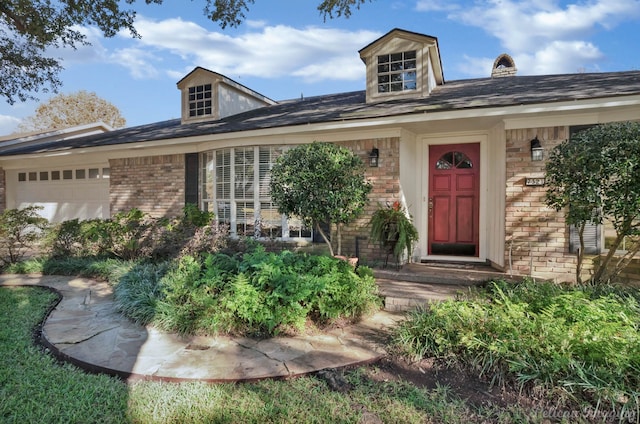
454 95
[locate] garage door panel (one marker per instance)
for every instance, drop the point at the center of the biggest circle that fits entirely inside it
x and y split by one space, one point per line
64 199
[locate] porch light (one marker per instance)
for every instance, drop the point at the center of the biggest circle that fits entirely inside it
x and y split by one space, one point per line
373 158
537 151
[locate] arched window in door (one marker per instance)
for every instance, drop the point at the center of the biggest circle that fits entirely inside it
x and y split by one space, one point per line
454 160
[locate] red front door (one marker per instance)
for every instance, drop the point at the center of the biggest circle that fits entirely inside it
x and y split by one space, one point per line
454 195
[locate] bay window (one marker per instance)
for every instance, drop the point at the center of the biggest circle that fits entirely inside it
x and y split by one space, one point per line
236 187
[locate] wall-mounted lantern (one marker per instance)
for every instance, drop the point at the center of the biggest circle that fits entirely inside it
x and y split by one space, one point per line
373 158
537 151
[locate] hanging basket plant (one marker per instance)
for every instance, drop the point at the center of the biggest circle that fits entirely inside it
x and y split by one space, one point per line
392 229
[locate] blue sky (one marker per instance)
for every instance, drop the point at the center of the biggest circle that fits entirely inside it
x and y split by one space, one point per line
285 49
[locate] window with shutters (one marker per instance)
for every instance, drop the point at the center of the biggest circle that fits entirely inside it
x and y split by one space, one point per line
592 239
236 187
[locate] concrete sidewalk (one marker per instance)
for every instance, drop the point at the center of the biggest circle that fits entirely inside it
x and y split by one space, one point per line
85 329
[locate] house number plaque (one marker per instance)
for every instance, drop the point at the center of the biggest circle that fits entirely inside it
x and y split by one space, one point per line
534 182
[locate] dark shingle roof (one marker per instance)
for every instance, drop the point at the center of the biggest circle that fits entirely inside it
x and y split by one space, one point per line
454 95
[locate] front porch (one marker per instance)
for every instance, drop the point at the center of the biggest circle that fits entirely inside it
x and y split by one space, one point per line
417 284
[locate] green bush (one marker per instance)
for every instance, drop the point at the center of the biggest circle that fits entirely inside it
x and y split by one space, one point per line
256 293
135 235
539 335
72 238
20 230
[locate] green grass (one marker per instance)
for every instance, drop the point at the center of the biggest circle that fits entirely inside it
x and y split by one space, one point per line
580 346
34 388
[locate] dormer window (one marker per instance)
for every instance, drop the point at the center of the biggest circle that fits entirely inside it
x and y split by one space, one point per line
397 72
402 65
200 97
207 96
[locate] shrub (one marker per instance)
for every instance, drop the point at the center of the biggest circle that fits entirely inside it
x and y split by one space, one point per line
20 230
256 293
71 238
194 233
539 335
125 235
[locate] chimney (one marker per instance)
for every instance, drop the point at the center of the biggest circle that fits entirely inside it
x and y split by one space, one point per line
503 66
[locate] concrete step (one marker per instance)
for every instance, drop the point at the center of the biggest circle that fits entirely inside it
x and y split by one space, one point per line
415 285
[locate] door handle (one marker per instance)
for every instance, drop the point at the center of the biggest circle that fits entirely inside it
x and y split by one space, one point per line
430 206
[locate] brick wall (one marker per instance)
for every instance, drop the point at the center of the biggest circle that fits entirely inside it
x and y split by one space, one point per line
153 184
386 188
536 236
3 190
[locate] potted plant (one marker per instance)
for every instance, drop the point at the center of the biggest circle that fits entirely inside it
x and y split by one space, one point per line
392 229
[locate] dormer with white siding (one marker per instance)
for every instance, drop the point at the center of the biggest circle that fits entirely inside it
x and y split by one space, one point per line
402 64
209 96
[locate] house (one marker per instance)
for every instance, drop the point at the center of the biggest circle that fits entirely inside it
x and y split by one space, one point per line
463 156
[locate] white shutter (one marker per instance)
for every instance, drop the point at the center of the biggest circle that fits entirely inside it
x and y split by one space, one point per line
592 239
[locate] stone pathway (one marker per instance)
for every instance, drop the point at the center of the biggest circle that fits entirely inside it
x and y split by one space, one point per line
85 329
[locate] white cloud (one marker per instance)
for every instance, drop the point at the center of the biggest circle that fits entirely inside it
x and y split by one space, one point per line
435 6
95 52
268 52
255 24
138 61
543 36
8 124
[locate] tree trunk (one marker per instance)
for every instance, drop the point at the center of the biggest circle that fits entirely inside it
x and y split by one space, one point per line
601 271
325 238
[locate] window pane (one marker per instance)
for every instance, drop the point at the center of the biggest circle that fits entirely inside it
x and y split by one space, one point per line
268 156
206 177
33 176
244 175
270 221
44 175
297 229
223 174
55 175
80 174
67 174
223 212
245 219
106 172
198 106
94 173
22 176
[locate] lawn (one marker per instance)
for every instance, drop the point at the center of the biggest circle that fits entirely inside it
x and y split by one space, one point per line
532 352
34 388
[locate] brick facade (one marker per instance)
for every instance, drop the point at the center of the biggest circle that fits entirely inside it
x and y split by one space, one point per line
153 184
3 190
386 189
536 236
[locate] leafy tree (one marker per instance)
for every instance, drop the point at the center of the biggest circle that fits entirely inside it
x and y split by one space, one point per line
595 176
69 110
30 28
320 182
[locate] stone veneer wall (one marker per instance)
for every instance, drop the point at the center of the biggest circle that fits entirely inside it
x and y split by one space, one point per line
153 184
537 241
3 190
386 188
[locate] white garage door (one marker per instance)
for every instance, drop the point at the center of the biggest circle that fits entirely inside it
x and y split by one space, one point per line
64 194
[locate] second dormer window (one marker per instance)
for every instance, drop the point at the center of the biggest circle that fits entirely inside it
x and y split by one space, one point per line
200 100
397 72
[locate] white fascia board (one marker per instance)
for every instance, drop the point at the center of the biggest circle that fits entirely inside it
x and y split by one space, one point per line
576 113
